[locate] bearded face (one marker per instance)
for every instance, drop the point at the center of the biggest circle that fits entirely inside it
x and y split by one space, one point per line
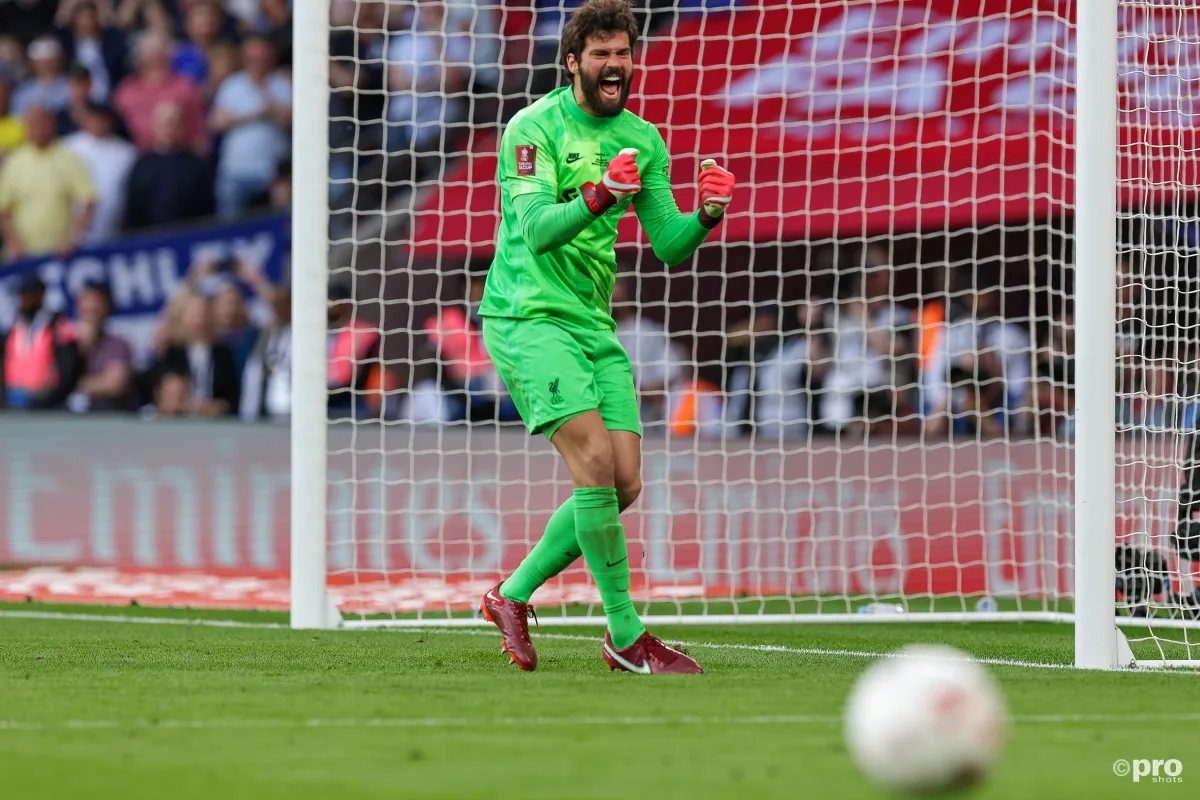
605 74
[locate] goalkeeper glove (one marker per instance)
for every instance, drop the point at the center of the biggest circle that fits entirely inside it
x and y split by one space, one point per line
620 180
716 191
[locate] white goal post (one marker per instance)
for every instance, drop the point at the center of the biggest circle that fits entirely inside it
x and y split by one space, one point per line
861 396
1095 321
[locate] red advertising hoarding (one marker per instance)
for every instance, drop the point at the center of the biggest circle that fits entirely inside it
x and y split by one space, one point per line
421 513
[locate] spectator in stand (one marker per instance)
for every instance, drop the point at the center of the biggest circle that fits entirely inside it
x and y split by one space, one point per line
107 381
247 14
858 391
277 19
479 22
428 73
203 25
96 44
253 109
357 48
267 379
109 160
469 379
12 127
232 324
549 18
148 15
12 58
47 87
353 343
39 356
655 359
790 378
1053 387
896 323
153 84
79 99
79 90
46 194
197 376
750 342
224 59
1145 338
989 366
169 184
281 187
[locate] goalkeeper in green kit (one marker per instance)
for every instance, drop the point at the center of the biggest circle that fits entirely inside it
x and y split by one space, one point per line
570 165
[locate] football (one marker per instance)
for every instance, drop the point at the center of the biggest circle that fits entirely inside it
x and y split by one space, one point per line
928 718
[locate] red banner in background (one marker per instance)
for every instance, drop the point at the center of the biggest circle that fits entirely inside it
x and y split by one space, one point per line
860 116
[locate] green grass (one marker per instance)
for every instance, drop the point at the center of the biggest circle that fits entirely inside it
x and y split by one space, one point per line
99 710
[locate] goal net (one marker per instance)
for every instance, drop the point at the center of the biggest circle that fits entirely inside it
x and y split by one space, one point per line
859 398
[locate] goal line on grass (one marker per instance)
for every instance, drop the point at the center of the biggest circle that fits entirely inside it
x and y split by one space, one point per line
478 631
485 722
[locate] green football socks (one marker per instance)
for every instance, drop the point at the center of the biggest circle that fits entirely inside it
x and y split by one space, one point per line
602 540
556 551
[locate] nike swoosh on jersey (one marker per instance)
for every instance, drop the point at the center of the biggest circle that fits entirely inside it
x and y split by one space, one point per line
643 669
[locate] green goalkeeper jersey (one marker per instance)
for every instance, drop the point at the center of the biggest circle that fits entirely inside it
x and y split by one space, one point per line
553 257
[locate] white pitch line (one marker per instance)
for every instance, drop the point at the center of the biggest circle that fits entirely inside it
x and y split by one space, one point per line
759 648
773 648
487 722
207 623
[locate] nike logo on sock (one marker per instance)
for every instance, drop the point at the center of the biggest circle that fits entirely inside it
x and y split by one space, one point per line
571 555
614 563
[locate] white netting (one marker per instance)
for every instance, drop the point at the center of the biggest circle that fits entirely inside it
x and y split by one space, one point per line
1157 334
859 392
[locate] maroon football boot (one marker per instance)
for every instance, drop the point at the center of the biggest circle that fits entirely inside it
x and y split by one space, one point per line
512 618
649 656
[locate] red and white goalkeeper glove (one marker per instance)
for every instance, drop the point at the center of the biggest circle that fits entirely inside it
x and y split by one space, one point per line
716 189
620 180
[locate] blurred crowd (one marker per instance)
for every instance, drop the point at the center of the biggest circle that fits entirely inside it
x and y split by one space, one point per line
221 349
861 360
975 358
122 115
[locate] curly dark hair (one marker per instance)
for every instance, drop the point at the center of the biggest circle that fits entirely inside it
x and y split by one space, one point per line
597 17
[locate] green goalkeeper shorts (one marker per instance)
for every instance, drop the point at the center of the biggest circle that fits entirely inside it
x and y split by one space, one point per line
555 371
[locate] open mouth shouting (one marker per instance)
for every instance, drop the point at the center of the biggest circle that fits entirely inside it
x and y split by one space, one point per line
611 86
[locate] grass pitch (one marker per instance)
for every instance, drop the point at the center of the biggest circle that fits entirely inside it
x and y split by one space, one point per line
107 710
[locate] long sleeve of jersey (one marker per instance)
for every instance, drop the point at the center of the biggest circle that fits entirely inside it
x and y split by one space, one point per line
673 236
546 224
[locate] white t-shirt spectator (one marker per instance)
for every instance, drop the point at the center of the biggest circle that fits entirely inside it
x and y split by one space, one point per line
857 367
652 354
1008 340
424 58
481 20
89 53
252 149
781 405
109 161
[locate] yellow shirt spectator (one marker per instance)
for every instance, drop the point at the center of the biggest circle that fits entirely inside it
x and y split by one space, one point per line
12 134
41 189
